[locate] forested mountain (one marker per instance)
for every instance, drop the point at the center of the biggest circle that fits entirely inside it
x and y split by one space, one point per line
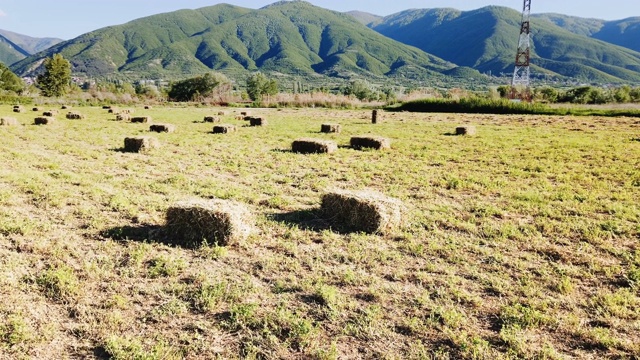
15 47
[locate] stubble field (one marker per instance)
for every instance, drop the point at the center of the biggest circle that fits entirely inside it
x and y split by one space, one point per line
523 240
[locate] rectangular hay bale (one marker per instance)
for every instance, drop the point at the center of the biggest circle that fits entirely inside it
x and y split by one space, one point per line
211 119
258 121
330 128
313 146
160 128
141 119
224 129
50 113
44 120
74 116
371 142
466 130
123 117
8 121
363 211
215 221
140 144
18 109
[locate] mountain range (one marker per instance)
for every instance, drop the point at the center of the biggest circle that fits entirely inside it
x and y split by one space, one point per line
15 47
298 38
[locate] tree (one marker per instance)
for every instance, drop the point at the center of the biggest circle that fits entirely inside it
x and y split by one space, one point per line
199 86
258 85
10 81
56 78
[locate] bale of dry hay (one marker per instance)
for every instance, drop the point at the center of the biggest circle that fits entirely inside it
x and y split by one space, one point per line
217 221
141 119
245 113
126 111
222 113
239 117
313 146
8 121
160 128
113 110
44 120
374 142
224 129
365 211
258 121
140 144
123 117
374 117
331 128
18 109
36 109
106 107
211 119
50 113
466 130
65 107
74 116
148 107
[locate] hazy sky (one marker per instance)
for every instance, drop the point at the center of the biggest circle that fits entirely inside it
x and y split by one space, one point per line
67 19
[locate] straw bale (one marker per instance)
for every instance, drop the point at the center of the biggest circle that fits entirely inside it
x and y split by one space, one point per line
211 119
258 121
239 117
123 117
363 211
224 222
374 142
466 130
313 146
50 113
8 121
148 107
141 119
222 113
113 110
331 128
106 107
224 129
44 120
65 107
36 109
374 117
74 116
126 111
140 144
18 109
245 113
160 128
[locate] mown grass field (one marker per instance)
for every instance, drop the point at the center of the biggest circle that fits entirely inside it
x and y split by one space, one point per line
523 243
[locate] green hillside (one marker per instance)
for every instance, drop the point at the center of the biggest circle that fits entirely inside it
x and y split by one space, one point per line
10 52
364 17
486 39
288 37
15 47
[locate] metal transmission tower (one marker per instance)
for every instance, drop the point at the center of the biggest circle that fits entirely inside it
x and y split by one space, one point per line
522 71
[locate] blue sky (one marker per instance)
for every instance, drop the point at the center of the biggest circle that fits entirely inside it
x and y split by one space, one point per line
67 19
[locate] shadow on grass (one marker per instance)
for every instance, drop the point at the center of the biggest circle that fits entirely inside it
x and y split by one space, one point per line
139 233
310 219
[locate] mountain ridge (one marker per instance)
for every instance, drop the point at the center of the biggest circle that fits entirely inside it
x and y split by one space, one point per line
15 47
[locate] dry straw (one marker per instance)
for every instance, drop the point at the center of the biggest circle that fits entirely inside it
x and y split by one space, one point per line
44 120
162 128
123 117
50 113
363 211
224 129
18 109
372 142
140 144
330 128
8 121
239 117
466 130
222 113
211 119
75 116
313 146
141 119
216 221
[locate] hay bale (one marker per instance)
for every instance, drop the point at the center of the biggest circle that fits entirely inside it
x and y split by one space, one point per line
44 120
113 110
50 113
74 116
258 121
148 107
66 107
313 146
141 119
140 144
366 211
160 128
239 117
211 119
245 113
331 128
466 130
8 121
126 111
374 117
36 109
123 117
373 142
217 221
222 113
106 107
18 109
224 129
